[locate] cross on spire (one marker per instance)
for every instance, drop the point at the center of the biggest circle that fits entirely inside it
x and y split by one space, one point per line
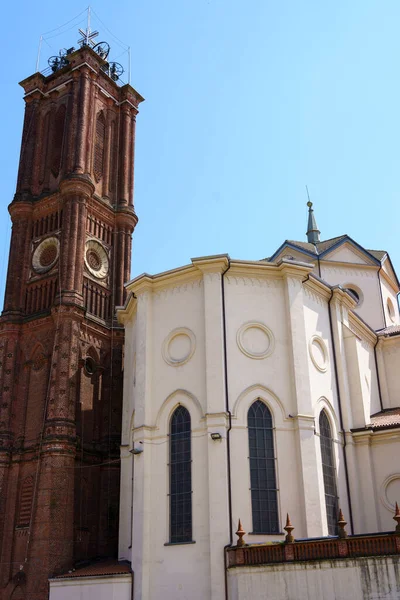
88 36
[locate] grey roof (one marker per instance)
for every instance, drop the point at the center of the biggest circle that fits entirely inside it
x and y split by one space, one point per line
389 331
320 248
312 227
379 254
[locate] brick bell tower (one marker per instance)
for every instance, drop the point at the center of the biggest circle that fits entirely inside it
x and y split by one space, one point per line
60 347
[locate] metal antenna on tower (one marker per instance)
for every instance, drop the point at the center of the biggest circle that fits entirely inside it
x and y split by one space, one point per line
308 195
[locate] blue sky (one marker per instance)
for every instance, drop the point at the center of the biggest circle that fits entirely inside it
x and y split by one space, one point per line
246 103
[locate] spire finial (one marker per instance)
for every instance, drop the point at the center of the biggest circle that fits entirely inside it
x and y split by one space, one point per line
397 518
289 528
240 533
312 228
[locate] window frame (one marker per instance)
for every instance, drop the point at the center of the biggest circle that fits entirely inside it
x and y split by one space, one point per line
182 498
267 493
331 499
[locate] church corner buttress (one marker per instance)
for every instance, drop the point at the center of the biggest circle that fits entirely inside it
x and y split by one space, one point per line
60 347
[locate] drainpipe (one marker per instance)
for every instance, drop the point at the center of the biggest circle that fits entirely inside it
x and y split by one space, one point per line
228 440
346 472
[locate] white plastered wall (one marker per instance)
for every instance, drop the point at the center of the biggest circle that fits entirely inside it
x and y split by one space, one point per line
116 587
291 314
362 278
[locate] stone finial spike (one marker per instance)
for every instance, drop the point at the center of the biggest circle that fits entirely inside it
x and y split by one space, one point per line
289 528
397 518
342 533
240 533
312 227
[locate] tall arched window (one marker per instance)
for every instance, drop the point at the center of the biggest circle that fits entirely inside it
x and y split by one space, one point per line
328 469
98 162
180 465
58 138
25 502
264 500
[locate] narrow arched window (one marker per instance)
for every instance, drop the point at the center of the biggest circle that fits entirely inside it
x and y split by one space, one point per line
98 163
264 500
25 502
180 465
58 139
328 469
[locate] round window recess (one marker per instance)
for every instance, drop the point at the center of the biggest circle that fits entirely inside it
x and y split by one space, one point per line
89 365
255 340
179 346
355 292
96 259
391 310
45 255
318 353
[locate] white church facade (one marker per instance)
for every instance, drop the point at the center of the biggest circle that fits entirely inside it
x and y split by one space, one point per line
253 389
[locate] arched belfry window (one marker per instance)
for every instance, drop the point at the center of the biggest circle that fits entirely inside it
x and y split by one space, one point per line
328 469
98 162
180 465
58 139
264 499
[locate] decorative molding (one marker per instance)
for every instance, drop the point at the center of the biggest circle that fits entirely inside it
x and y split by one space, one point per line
96 259
317 342
254 281
184 287
243 346
313 295
361 271
46 254
384 492
180 358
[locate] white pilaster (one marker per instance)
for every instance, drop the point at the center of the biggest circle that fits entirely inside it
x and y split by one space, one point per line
217 421
141 520
306 441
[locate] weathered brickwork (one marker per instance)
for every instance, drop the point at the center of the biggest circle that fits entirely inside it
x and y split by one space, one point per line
60 348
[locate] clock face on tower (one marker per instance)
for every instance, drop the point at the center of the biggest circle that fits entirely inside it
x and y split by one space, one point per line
46 255
96 259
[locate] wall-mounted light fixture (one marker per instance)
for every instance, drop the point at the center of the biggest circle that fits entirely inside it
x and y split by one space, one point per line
216 436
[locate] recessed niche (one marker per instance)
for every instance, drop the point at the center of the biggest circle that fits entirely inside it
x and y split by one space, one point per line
391 311
318 353
179 346
255 340
390 491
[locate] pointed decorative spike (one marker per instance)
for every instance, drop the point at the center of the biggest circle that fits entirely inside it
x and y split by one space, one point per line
397 518
240 533
312 227
342 533
289 528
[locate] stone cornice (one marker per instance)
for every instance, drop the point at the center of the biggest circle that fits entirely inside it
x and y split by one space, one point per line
389 281
372 437
126 312
344 298
359 328
211 264
322 289
214 264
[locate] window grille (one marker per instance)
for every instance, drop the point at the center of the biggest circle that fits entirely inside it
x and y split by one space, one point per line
328 469
264 498
180 477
